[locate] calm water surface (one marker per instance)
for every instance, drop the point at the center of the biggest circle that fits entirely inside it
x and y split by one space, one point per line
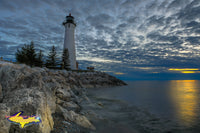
177 100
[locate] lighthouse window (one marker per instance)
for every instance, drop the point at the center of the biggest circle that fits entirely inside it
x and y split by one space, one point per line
68 25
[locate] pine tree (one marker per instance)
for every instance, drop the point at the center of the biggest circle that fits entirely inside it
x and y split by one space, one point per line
31 55
51 61
21 55
26 54
65 59
39 59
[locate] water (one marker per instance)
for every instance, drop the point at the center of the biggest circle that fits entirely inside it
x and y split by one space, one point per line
177 100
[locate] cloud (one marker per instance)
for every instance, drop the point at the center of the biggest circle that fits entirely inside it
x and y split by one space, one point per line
4 43
119 73
190 12
177 4
151 33
193 40
95 59
10 24
160 38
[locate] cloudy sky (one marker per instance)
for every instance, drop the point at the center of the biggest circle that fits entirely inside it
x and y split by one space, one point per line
131 39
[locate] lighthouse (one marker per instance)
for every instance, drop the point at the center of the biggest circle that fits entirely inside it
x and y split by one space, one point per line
69 41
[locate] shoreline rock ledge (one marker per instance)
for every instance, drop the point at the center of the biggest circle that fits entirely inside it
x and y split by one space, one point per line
53 95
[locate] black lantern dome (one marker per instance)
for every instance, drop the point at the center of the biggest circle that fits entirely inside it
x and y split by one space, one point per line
69 19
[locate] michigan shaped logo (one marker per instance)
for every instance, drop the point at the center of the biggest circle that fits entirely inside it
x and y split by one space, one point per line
23 121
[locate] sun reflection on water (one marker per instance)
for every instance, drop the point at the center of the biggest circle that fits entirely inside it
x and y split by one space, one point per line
184 95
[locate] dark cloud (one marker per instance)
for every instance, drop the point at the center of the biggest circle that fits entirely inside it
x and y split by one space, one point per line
177 4
197 31
5 43
193 24
156 20
100 22
190 12
11 24
7 5
133 20
160 38
193 40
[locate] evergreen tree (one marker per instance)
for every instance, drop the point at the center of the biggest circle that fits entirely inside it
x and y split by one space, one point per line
26 55
65 59
31 55
51 59
39 59
21 54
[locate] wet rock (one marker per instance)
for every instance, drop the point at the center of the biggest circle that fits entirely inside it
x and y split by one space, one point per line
71 106
59 101
63 94
77 118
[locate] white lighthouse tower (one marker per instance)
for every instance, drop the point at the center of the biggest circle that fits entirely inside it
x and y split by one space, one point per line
69 41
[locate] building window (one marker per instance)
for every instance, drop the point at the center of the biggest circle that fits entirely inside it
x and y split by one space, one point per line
68 25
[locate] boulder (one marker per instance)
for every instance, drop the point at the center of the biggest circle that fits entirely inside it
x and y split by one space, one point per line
4 123
24 90
1 94
71 106
31 102
77 118
63 94
59 101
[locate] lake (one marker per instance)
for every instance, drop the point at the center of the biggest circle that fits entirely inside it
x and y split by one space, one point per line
174 102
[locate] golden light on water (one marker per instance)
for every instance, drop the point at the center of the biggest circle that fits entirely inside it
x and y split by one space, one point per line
184 96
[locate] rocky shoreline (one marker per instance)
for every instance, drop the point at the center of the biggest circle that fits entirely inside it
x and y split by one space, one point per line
54 95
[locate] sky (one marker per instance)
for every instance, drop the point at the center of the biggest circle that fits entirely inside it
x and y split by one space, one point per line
130 39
